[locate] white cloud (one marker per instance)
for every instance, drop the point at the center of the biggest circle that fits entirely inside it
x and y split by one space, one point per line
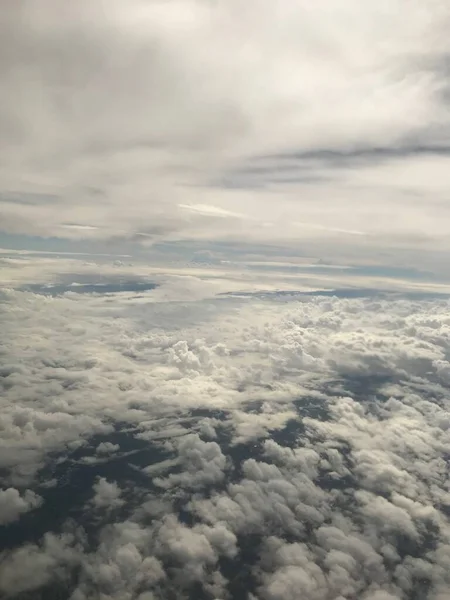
32 566
151 360
205 209
299 442
13 504
202 463
123 118
120 566
107 448
107 495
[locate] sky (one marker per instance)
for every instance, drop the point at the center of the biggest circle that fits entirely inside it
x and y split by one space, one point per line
224 300
323 125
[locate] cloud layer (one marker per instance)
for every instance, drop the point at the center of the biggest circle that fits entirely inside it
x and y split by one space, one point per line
227 447
197 120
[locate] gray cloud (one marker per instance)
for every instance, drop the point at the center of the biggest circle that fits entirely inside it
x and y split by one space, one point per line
141 106
107 448
106 495
13 504
33 566
202 463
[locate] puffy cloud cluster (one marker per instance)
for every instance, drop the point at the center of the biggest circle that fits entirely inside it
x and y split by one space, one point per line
107 448
107 495
201 464
129 560
234 447
120 566
366 498
13 504
33 566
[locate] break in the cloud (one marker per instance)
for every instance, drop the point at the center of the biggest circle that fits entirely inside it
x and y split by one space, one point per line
269 121
218 447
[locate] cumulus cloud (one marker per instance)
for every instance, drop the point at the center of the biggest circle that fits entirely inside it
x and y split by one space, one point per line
106 495
267 445
202 463
13 504
33 566
120 567
107 448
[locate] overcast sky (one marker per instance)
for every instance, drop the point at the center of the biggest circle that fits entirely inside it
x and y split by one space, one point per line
265 121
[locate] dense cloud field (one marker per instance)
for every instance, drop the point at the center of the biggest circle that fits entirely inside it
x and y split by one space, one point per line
264 446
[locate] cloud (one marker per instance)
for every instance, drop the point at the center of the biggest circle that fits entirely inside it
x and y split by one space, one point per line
202 464
12 504
119 567
33 566
205 209
107 495
267 444
162 121
194 545
107 448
